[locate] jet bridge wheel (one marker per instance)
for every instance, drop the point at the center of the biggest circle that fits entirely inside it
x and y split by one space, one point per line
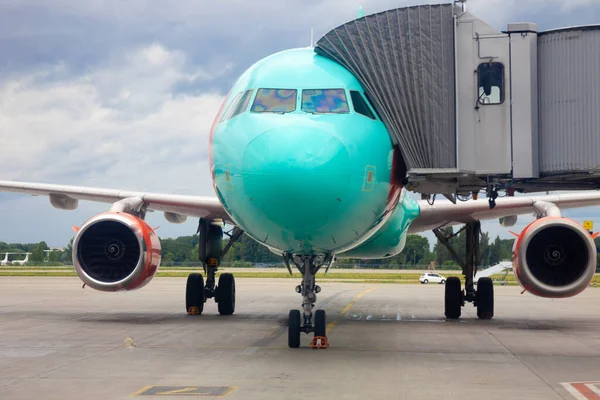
484 298
194 294
294 329
453 298
226 294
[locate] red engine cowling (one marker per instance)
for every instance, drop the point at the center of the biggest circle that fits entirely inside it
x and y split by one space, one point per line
116 251
554 257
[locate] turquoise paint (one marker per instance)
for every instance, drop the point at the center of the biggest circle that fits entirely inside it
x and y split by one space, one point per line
297 181
391 238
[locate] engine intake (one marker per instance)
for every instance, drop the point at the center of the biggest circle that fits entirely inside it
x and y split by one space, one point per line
116 251
554 257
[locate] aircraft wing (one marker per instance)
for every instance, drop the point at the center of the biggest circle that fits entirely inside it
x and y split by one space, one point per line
67 197
444 213
496 269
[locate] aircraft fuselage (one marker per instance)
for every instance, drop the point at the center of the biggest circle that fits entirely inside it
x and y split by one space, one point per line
300 159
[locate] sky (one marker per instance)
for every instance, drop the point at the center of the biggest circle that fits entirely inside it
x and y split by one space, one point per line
122 93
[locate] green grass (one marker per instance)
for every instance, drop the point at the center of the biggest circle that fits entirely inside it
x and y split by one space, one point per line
37 273
367 277
283 275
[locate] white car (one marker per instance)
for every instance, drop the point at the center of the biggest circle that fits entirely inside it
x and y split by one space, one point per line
432 277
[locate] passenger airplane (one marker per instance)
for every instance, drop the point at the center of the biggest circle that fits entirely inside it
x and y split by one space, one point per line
302 163
5 261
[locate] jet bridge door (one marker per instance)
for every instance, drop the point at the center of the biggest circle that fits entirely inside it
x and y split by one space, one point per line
483 105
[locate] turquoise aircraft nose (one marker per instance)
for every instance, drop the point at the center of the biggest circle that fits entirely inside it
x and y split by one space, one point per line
296 178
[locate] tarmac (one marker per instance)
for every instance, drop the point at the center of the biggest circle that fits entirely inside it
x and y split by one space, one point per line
387 341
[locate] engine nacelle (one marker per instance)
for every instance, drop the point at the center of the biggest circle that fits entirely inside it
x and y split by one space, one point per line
554 257
116 251
508 222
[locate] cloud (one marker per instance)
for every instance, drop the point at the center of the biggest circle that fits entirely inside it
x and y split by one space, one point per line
118 126
548 14
102 126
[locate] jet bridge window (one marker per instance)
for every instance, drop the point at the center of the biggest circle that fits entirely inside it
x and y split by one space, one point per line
275 101
490 78
360 104
323 101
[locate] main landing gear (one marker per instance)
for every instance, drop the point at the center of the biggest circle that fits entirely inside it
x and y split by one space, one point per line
210 253
455 297
307 321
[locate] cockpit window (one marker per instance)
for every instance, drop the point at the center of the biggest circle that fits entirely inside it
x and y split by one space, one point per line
241 106
230 107
360 104
275 101
325 101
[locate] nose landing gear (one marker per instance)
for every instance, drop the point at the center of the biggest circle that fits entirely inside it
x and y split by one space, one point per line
307 321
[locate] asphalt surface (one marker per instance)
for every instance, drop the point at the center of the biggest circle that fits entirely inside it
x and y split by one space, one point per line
388 341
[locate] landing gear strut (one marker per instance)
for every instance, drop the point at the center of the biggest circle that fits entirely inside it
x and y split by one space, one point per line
210 252
455 298
307 321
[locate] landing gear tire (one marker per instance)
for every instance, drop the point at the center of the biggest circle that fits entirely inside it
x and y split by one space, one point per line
226 294
453 298
484 298
194 294
294 329
320 323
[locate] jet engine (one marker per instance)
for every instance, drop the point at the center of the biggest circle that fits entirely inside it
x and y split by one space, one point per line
554 257
116 251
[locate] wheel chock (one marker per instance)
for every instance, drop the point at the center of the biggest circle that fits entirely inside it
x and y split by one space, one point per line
319 342
193 310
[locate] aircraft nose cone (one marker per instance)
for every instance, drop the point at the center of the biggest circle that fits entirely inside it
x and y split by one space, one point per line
296 177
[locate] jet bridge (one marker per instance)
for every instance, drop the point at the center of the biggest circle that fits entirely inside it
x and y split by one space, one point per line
472 108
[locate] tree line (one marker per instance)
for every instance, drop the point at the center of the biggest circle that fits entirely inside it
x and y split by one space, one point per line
183 250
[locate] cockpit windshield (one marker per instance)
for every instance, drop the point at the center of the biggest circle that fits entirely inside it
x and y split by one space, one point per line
325 101
274 101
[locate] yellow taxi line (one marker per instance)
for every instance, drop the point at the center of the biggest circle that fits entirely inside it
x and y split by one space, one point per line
345 310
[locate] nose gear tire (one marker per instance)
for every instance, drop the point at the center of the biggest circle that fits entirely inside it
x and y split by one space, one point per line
320 323
294 329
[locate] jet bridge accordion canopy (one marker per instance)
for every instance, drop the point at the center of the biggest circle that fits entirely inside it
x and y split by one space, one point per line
405 59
